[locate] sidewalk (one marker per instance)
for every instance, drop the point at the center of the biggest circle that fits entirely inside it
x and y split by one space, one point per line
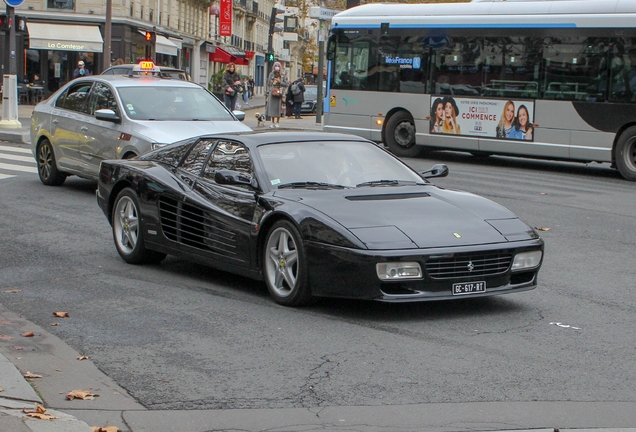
255 105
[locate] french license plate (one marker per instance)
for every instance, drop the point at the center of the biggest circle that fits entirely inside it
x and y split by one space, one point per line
469 288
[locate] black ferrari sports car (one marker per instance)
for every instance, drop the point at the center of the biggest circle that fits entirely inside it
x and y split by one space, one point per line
316 214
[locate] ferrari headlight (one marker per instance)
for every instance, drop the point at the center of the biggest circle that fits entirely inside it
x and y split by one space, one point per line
155 146
527 260
398 270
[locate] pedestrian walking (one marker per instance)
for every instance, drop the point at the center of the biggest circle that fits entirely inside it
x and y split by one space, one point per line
230 80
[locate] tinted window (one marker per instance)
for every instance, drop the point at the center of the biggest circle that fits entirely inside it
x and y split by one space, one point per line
77 97
229 155
195 160
102 98
172 155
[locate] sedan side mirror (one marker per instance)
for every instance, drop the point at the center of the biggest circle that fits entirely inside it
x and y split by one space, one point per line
107 115
239 115
229 177
438 170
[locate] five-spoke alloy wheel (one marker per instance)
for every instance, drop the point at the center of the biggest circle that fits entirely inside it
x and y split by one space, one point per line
285 265
47 169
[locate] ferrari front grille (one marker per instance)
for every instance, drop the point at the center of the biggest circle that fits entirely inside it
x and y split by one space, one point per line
464 266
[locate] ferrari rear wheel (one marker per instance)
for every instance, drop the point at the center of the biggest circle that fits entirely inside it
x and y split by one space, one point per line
47 169
285 265
128 230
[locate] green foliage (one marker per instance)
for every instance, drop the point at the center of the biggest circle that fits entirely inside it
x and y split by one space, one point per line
216 81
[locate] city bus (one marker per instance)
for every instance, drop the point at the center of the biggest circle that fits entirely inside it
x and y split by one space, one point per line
539 79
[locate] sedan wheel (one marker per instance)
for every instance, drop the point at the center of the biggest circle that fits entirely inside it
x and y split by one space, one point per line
285 266
47 169
127 230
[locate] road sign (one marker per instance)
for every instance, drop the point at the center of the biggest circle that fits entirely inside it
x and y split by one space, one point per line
14 3
322 13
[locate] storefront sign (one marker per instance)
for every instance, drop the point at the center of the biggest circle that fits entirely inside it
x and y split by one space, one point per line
65 46
486 118
225 18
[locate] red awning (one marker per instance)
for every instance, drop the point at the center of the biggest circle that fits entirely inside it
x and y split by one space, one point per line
223 56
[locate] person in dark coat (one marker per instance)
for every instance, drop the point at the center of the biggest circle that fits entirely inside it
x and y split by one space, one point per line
230 80
299 96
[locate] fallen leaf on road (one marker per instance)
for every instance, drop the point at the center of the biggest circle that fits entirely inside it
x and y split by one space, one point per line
27 334
40 412
80 394
54 324
18 348
542 228
4 337
5 322
61 314
105 429
13 291
1 390
31 375
82 358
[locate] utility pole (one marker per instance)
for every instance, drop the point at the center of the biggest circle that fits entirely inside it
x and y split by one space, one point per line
321 66
107 34
13 68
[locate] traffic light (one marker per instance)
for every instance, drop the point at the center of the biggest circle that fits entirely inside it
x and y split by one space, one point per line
150 36
270 57
4 22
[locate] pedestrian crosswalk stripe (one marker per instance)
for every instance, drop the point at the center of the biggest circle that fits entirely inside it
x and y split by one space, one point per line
12 167
13 157
15 149
5 176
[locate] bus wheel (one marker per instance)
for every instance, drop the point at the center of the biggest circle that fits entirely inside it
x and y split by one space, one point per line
400 135
626 154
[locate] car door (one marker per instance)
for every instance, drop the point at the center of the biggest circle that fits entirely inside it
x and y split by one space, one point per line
102 137
68 123
228 212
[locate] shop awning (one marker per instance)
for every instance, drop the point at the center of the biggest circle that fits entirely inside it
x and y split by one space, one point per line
165 46
228 54
64 37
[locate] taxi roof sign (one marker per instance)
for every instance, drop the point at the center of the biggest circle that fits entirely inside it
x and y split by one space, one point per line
146 66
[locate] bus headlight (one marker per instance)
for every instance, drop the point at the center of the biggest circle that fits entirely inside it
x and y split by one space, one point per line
527 260
398 270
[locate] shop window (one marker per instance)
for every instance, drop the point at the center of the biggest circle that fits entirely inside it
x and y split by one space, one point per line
61 4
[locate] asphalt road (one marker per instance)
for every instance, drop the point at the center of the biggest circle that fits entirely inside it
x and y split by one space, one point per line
182 336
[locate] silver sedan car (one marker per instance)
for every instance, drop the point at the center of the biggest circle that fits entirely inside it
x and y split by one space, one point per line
119 117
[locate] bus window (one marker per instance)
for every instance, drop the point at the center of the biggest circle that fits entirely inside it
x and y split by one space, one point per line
573 68
623 71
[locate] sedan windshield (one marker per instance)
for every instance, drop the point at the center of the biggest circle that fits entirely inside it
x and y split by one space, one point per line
349 164
172 104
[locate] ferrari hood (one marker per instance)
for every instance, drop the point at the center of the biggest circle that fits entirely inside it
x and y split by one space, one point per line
418 217
172 131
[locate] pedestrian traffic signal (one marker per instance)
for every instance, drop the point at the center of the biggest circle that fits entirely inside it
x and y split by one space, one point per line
4 22
150 36
270 57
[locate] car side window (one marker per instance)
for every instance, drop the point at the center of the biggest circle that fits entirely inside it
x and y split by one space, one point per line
229 155
195 160
102 98
77 97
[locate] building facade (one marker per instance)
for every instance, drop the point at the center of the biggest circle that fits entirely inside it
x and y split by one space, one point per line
53 35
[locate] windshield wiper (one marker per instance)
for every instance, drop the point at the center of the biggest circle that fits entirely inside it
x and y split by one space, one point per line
310 185
387 183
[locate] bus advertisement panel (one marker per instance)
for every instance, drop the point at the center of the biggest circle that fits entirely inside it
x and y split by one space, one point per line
493 118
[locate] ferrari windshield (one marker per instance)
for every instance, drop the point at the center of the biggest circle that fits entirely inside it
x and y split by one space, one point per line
172 104
349 164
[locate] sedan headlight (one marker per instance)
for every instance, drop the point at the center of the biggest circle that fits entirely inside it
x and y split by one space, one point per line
398 270
527 260
155 146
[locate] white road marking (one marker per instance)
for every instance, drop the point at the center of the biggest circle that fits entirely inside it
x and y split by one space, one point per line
5 176
4 155
15 149
11 167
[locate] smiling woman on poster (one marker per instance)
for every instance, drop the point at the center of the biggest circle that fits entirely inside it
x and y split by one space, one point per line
504 128
522 128
437 116
451 112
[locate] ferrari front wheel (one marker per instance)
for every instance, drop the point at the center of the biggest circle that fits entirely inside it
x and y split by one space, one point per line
128 230
285 265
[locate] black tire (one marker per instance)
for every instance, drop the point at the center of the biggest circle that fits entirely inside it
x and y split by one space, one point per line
400 135
285 265
47 168
626 154
128 230
480 154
